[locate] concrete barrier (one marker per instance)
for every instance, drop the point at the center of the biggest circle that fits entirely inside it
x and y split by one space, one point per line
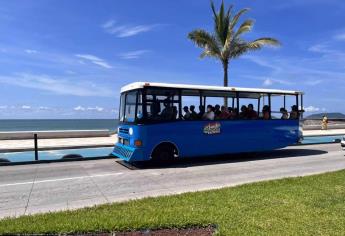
54 134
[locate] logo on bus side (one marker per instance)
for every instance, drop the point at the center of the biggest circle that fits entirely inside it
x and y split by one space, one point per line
212 128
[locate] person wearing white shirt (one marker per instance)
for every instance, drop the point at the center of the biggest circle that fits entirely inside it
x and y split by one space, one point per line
209 115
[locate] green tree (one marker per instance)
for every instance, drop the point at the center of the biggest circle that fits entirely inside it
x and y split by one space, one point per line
226 43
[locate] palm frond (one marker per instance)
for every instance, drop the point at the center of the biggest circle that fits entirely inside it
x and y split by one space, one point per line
259 43
221 21
236 18
204 40
213 9
230 32
245 27
225 43
208 53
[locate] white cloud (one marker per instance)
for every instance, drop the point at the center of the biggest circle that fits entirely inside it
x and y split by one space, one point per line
89 57
79 108
313 82
26 107
96 108
320 48
102 64
311 109
99 109
57 85
95 60
43 108
108 24
30 51
123 31
133 54
3 107
267 82
340 37
303 71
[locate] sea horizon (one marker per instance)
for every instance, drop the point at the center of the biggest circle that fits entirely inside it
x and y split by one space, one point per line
7 125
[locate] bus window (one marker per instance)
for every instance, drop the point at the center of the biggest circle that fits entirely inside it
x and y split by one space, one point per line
248 108
162 105
122 107
130 104
192 104
277 102
140 114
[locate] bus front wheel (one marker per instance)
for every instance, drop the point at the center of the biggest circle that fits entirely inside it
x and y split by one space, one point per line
164 152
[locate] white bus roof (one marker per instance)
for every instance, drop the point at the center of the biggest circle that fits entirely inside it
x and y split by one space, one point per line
139 85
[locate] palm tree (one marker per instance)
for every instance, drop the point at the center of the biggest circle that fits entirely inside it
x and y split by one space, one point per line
225 43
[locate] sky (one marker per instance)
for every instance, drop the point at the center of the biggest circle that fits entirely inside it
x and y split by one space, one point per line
69 58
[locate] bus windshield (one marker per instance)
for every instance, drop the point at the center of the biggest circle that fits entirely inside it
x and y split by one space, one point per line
129 106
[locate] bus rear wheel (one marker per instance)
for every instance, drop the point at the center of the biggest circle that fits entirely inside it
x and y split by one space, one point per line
164 152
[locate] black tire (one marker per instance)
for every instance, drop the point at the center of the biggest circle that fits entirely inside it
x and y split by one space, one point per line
72 156
4 160
164 153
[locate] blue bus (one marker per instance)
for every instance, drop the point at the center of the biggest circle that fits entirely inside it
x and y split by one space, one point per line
159 121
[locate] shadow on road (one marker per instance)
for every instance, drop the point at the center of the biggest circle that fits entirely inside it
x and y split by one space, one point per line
228 158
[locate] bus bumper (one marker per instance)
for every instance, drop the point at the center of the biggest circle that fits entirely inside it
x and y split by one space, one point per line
127 153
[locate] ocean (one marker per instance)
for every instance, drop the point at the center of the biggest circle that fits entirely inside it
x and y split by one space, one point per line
57 124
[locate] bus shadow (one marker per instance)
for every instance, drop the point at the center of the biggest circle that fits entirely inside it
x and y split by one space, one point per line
228 158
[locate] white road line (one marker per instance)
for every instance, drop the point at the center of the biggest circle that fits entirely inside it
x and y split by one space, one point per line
62 179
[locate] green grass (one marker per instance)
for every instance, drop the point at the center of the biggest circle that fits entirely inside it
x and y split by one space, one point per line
313 205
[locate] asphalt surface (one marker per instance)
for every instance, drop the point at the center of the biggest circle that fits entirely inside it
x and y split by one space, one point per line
29 189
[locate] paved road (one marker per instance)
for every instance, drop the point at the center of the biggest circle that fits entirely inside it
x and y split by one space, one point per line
29 189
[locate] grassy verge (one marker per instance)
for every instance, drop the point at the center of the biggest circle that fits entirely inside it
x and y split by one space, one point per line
313 205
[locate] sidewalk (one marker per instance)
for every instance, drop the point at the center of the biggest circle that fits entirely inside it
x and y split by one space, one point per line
329 132
60 143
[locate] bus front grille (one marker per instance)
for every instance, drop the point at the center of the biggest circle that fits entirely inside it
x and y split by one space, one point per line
123 130
121 151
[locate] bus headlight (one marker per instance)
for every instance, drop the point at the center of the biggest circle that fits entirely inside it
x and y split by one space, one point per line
130 131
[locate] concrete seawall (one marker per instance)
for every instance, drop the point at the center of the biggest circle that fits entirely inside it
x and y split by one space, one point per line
54 134
318 127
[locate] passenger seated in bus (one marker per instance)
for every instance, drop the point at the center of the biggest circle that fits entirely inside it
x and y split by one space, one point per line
187 115
217 110
294 112
232 113
285 114
209 115
193 114
266 112
155 109
167 112
251 113
201 112
224 114
174 113
243 113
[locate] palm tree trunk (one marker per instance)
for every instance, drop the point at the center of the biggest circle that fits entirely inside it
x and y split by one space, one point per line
225 68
